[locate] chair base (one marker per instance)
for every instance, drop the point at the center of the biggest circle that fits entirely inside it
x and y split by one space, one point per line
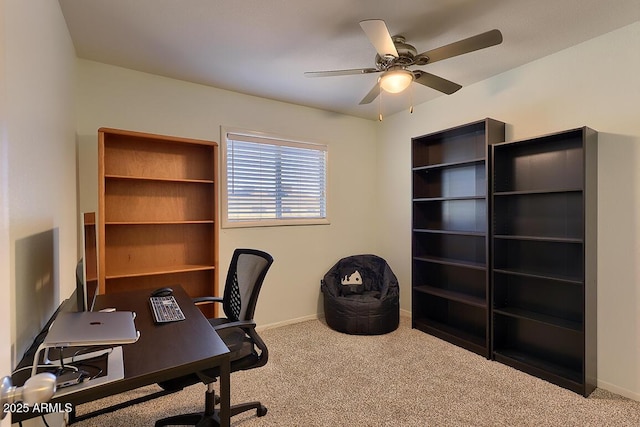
210 417
200 420
212 420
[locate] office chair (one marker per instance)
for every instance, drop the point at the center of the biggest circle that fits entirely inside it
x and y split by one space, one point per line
246 273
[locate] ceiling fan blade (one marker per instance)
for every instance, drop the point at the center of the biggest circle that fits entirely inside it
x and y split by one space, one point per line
378 34
373 94
480 41
341 72
435 82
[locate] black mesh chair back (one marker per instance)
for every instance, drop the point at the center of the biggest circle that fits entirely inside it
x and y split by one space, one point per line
247 271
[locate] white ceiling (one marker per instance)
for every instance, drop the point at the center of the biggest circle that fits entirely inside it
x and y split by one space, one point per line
263 47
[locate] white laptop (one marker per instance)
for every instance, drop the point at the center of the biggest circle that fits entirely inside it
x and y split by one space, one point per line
92 328
87 329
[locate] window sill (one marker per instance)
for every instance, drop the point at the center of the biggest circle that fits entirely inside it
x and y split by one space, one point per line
274 223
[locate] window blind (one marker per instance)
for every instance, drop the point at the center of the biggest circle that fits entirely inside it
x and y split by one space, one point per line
273 179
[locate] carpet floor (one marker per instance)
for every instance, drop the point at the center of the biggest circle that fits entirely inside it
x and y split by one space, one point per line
319 377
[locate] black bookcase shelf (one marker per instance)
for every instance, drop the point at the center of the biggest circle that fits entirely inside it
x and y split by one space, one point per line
539 317
458 336
459 233
539 349
452 295
540 367
450 243
440 199
452 262
539 191
538 239
470 162
535 274
543 248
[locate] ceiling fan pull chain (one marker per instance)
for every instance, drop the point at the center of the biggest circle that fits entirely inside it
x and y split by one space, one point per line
411 99
380 104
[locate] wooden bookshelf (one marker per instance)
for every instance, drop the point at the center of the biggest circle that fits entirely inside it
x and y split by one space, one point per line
157 212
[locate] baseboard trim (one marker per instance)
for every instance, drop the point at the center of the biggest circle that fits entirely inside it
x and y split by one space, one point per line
618 390
403 313
287 322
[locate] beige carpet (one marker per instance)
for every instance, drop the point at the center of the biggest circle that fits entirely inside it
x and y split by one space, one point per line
319 377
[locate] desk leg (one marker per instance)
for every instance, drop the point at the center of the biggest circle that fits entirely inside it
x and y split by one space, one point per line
225 393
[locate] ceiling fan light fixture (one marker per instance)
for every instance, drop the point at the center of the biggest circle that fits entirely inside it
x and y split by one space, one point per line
395 81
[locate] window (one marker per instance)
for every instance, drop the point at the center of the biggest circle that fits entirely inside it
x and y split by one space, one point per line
267 180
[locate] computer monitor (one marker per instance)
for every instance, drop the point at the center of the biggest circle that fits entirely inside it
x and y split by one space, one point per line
87 267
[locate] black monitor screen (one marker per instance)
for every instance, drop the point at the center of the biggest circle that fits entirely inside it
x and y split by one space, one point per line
87 267
86 290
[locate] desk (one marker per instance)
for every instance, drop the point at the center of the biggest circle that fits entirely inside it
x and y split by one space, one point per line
163 351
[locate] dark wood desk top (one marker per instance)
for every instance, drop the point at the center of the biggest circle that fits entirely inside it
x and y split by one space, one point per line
162 352
167 350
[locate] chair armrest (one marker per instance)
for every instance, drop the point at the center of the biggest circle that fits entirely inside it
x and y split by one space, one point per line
201 300
244 324
249 327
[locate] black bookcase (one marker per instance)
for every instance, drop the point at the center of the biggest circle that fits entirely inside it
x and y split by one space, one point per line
450 233
543 245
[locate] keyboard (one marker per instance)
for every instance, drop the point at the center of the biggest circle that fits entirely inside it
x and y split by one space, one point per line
165 309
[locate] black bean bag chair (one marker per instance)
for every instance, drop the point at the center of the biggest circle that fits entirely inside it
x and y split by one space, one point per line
361 296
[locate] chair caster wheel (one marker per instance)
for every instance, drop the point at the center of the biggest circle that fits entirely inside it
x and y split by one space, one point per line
262 411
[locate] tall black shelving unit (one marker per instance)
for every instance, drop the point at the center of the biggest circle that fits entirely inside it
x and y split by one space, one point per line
544 237
450 233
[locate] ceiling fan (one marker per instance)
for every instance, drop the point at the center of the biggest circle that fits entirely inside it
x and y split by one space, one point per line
395 56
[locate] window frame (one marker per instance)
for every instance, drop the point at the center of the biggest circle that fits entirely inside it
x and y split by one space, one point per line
278 140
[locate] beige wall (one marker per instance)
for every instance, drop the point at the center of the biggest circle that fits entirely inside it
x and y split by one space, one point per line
37 171
594 84
116 97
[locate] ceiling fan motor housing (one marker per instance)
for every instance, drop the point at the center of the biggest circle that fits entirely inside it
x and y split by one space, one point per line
407 56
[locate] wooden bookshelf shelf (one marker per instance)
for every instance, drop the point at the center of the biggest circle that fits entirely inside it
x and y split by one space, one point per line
157 222
150 271
146 178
